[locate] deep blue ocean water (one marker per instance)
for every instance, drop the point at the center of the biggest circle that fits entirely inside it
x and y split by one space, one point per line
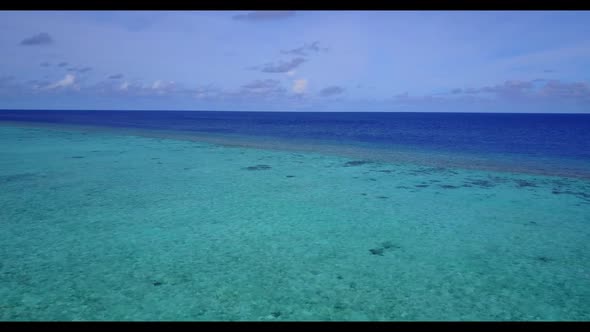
564 135
561 136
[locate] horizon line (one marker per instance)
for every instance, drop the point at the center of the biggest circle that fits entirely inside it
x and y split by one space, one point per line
263 111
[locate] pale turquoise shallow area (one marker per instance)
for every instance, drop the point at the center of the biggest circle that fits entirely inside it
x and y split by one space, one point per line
100 226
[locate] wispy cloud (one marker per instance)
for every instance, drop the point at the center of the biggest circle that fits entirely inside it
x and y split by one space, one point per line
537 90
45 64
267 15
80 70
161 87
115 76
124 86
204 92
557 89
331 91
135 88
306 49
62 64
35 84
68 81
262 87
508 89
282 66
42 38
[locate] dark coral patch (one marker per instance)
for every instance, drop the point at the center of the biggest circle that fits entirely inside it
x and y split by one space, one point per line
340 306
290 176
524 183
77 157
431 170
383 197
578 194
18 177
356 163
498 179
385 171
481 183
385 245
421 185
377 251
372 179
448 186
257 168
543 259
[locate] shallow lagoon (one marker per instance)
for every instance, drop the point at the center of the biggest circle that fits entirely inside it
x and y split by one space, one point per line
105 226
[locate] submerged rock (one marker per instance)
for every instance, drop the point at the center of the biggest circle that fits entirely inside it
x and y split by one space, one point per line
257 168
377 251
544 259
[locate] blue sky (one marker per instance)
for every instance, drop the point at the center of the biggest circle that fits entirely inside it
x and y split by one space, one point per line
430 61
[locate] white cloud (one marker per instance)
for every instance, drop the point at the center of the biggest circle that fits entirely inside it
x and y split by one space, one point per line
300 85
162 87
67 81
124 86
157 84
290 73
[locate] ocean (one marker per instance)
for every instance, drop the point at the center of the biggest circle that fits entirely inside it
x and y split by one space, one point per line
270 216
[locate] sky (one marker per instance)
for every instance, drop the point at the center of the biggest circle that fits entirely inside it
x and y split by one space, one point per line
378 61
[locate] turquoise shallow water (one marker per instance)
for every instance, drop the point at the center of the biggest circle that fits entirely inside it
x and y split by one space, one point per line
103 226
